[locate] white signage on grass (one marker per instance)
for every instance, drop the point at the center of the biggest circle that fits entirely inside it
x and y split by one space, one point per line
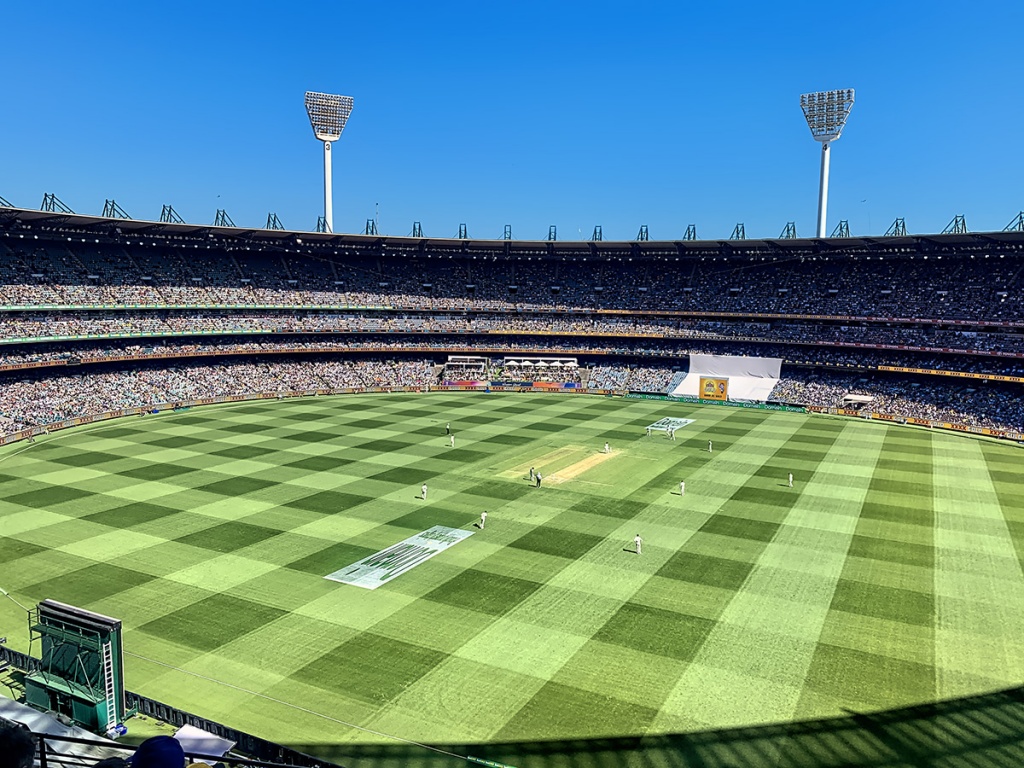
664 425
379 568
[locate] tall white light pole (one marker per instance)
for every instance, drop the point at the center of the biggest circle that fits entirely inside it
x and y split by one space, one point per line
826 113
328 114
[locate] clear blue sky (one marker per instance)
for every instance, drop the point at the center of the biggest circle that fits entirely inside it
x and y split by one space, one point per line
523 113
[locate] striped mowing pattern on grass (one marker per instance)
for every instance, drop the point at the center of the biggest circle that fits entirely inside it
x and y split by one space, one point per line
889 574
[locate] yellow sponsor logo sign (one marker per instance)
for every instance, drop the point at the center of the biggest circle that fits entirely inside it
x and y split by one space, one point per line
714 388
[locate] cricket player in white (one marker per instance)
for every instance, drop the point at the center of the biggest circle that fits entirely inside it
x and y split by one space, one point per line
790 479
607 448
451 439
423 491
682 487
483 519
710 447
639 543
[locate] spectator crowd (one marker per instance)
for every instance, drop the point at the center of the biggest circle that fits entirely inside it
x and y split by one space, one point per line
992 352
289 320
39 400
33 399
952 286
969 404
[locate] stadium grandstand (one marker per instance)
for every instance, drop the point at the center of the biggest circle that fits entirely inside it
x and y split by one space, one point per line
103 315
106 318
314 494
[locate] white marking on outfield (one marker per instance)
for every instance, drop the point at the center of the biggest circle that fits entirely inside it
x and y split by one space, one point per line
380 567
669 422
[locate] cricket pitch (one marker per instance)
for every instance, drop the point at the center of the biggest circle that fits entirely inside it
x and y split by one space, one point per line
575 470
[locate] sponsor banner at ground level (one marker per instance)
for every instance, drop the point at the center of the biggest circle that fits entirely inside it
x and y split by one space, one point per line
555 385
871 416
727 403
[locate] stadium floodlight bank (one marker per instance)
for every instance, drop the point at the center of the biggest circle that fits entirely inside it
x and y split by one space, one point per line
826 113
328 114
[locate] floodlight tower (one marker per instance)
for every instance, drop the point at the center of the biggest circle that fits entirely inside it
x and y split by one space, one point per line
826 113
328 114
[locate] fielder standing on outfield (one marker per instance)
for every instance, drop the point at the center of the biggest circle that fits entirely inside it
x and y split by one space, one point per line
423 491
538 479
682 487
607 448
448 428
710 447
532 474
639 543
790 479
483 519
451 439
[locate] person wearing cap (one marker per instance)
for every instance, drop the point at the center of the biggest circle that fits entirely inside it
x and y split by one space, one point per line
159 752
17 747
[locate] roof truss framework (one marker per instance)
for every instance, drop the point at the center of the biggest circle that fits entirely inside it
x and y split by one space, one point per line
14 221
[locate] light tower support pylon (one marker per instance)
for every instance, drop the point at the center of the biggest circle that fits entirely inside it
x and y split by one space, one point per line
328 189
328 114
826 155
826 113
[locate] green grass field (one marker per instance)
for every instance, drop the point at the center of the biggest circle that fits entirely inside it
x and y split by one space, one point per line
890 575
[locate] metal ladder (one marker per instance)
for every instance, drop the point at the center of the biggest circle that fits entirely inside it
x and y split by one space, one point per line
108 680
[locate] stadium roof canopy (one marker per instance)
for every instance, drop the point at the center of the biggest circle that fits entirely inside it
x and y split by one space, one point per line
18 222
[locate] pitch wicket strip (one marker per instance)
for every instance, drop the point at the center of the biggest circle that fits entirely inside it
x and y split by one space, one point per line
545 461
573 471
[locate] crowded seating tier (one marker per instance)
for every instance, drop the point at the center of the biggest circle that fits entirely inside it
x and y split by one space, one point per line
961 286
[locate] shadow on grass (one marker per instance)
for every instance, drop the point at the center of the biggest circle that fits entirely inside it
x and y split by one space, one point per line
985 730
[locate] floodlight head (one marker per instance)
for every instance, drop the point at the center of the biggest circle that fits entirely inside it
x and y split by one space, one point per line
328 114
826 112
